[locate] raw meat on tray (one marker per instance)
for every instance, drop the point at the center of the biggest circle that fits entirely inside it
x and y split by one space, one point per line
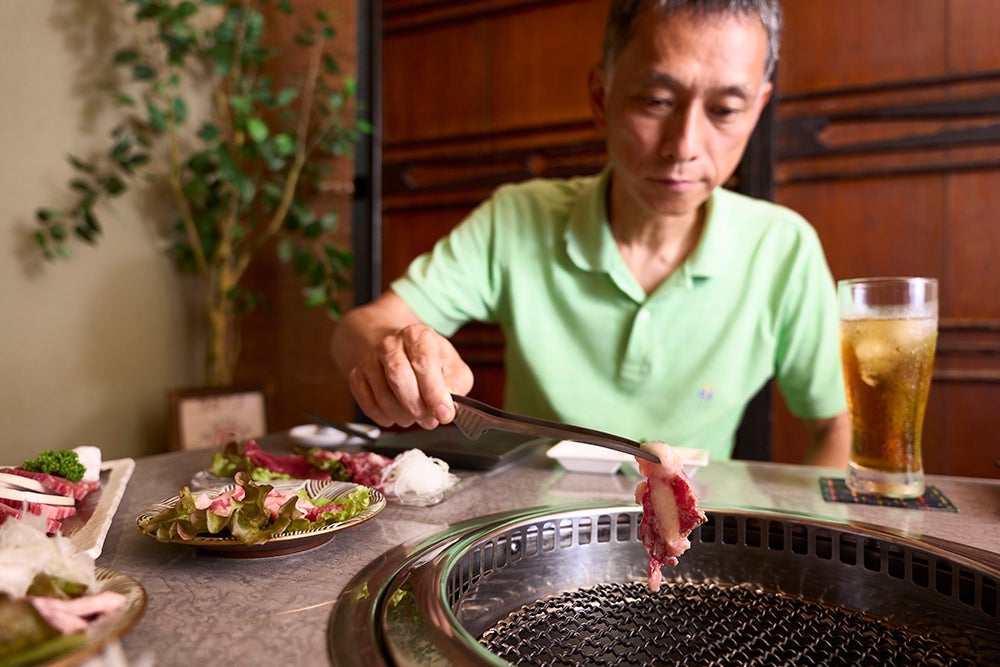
46 494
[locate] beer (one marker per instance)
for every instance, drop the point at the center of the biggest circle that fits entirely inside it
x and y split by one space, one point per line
887 364
888 332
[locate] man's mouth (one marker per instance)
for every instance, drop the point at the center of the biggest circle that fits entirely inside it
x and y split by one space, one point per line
675 182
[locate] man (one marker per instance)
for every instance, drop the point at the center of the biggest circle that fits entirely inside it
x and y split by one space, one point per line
646 300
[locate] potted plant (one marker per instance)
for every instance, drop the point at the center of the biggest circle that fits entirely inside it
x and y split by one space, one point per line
238 176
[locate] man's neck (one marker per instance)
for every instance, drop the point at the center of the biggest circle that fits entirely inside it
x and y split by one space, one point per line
655 247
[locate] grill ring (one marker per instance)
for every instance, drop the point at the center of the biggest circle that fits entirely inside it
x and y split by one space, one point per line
755 588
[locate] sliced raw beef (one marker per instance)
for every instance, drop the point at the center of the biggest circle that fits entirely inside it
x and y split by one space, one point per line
57 512
76 614
314 513
8 512
364 468
294 465
60 485
669 509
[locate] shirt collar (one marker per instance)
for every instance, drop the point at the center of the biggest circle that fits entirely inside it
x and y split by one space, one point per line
588 234
591 246
715 247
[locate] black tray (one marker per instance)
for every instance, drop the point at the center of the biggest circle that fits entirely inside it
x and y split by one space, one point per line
493 450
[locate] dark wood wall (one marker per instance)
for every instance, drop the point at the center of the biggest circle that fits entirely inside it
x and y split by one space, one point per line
888 141
888 128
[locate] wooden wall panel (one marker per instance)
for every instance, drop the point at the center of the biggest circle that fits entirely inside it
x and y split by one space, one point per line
972 277
528 95
480 74
972 36
895 225
889 143
423 88
854 43
410 233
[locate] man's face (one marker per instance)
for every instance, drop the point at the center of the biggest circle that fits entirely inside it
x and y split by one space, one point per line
677 109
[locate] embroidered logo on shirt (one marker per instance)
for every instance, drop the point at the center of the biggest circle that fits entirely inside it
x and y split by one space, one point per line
706 393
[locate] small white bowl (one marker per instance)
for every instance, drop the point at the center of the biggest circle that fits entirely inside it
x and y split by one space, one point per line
581 457
323 436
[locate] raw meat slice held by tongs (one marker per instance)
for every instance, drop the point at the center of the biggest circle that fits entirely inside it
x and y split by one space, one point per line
670 505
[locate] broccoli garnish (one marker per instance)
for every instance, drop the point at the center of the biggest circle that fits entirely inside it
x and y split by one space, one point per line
62 463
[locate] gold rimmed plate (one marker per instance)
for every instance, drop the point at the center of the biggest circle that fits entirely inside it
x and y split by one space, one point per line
286 543
113 626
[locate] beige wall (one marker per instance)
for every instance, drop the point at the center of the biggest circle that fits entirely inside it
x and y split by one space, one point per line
88 347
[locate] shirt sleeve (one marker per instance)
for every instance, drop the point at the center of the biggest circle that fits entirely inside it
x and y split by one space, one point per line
455 282
808 370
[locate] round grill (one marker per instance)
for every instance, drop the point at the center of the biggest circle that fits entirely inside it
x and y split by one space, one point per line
702 624
568 587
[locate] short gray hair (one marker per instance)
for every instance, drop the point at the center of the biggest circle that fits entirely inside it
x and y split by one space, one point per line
621 20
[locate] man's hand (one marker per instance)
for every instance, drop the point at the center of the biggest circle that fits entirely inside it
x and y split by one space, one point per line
400 371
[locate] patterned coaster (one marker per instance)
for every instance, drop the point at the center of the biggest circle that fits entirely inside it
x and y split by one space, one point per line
835 491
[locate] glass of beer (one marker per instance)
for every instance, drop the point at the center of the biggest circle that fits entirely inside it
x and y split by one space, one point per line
888 332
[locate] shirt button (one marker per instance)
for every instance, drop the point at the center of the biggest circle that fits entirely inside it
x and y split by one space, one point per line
643 315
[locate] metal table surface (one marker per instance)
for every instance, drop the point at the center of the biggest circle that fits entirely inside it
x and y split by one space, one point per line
205 609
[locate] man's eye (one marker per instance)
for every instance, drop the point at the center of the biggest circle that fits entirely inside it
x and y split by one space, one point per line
657 102
726 112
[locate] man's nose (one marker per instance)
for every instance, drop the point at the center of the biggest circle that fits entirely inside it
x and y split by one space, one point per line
682 134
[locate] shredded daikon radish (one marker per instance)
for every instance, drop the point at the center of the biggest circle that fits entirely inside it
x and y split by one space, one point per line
25 550
413 475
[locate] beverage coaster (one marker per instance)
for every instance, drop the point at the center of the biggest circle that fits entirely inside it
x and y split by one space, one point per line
835 490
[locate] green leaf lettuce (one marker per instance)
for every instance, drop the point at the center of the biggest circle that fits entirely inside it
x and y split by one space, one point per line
249 520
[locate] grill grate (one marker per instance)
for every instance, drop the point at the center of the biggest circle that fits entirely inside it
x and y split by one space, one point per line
552 588
702 624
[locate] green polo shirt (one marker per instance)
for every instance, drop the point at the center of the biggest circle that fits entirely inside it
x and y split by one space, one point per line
586 345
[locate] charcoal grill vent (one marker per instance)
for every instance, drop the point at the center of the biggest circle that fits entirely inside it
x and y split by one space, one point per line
543 587
942 575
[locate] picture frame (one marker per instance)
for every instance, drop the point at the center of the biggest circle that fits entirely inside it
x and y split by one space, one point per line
210 417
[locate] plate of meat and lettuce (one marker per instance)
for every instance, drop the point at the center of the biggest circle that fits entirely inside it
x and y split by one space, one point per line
411 477
247 519
313 463
109 627
56 608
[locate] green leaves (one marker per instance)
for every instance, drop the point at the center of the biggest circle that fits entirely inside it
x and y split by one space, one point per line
245 174
285 97
257 129
324 268
125 57
180 110
209 133
157 118
143 72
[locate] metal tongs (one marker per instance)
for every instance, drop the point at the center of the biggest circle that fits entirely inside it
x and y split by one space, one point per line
474 418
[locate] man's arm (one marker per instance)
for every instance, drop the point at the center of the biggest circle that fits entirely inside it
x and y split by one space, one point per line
400 370
830 441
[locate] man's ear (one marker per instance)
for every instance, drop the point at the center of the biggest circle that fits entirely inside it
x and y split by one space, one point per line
765 94
597 89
